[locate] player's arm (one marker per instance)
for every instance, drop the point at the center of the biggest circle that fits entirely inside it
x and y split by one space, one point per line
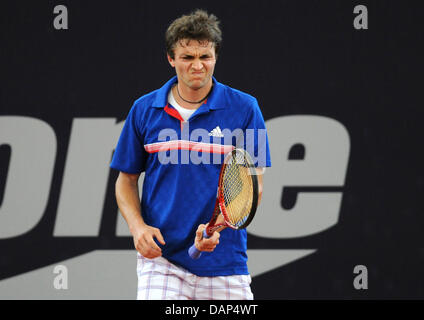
260 174
127 197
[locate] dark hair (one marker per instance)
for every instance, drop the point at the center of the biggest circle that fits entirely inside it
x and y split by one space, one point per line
198 25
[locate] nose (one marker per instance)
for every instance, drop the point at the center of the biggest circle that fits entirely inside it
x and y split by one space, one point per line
197 65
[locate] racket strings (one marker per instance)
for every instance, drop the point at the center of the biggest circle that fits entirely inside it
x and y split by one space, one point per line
237 190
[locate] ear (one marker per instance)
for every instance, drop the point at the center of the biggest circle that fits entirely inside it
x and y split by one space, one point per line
171 61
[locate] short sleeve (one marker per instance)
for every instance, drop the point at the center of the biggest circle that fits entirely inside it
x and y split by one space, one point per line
256 137
129 155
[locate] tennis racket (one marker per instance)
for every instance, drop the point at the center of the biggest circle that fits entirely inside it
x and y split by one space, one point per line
237 196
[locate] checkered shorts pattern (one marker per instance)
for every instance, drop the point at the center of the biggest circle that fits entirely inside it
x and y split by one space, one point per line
158 279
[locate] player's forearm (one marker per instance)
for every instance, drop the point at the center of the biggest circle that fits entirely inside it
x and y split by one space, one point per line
127 198
260 172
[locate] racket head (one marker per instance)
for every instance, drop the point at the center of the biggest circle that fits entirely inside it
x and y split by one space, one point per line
238 189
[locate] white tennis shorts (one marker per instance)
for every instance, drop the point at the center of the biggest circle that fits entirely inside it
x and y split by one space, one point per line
158 279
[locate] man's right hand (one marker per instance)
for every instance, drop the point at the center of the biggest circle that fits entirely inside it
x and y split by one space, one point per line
145 244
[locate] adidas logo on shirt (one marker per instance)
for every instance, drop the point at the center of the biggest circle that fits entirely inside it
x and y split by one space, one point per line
216 132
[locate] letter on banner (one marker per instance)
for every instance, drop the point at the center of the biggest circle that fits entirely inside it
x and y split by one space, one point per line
86 174
27 189
327 146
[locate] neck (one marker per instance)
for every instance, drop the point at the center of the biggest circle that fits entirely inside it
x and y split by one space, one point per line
192 97
194 94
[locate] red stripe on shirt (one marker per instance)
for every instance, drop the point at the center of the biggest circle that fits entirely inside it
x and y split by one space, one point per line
188 145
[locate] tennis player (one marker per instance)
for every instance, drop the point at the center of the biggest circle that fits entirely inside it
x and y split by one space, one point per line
164 136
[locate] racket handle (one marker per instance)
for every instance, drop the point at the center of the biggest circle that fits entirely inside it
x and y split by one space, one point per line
193 252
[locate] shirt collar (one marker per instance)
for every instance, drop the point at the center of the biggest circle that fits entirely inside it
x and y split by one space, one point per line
215 101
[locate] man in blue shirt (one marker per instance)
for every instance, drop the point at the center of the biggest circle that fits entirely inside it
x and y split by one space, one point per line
178 135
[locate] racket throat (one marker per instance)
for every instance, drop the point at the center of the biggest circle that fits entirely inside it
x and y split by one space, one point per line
218 222
210 230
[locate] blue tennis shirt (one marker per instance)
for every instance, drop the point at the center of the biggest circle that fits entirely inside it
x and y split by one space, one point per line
182 161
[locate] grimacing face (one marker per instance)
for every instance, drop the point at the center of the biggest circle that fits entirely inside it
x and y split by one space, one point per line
194 62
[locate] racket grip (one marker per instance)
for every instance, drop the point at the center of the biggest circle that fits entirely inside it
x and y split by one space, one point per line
193 252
